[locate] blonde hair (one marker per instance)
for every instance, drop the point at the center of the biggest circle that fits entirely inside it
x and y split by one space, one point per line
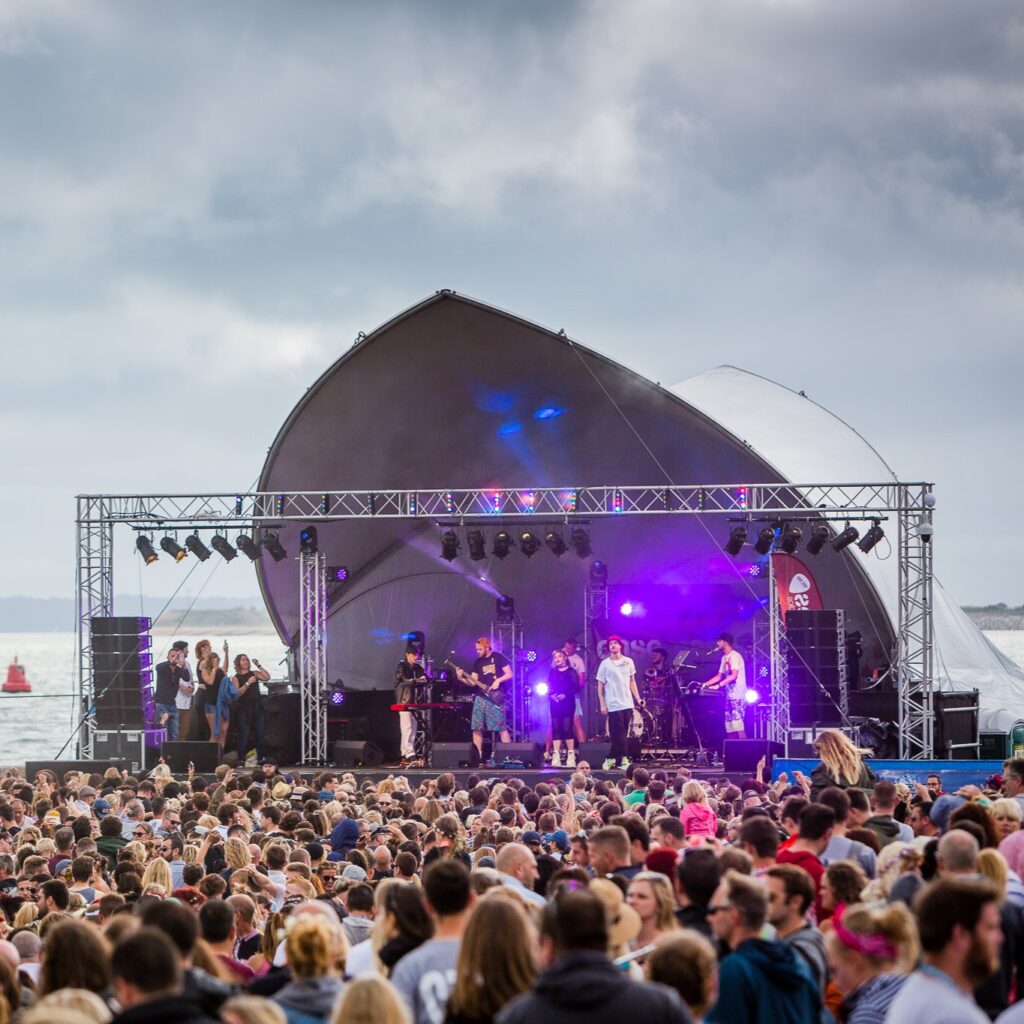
254 1010
993 866
892 922
370 1000
1008 808
310 948
26 914
695 793
68 1006
664 897
686 962
136 851
840 757
236 854
158 872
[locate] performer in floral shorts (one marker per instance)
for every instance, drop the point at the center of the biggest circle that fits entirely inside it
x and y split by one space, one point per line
732 674
491 675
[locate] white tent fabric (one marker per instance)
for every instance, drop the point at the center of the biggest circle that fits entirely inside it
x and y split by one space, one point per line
806 443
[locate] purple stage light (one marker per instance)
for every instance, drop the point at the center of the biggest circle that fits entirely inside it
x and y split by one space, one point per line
531 655
338 573
762 672
541 689
752 696
338 697
626 609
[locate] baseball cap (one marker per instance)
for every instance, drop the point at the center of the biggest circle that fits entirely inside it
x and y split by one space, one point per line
179 645
87 791
101 807
533 838
355 872
559 837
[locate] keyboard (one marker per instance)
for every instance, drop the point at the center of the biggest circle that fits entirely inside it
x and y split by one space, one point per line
441 705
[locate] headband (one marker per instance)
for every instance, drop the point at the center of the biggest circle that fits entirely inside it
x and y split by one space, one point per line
870 945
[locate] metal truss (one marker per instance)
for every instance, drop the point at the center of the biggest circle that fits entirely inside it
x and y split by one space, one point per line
910 503
778 715
313 655
595 610
507 637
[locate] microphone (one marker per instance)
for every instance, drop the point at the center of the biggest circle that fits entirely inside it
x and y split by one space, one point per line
714 650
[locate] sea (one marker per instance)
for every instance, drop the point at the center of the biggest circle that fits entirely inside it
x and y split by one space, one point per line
38 725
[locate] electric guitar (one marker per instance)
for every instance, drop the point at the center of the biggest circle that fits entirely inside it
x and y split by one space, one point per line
495 697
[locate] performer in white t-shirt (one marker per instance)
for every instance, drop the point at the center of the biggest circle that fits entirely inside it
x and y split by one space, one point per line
732 675
618 696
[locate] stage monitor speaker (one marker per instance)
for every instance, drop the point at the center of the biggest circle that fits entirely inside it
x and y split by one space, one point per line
60 767
956 724
595 753
357 754
529 755
178 753
743 755
282 713
881 704
452 755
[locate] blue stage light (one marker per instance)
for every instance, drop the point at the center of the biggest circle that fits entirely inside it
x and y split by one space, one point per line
548 412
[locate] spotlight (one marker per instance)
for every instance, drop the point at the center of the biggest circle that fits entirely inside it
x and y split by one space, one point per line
598 575
502 543
846 538
477 548
791 536
223 547
872 537
276 549
737 538
626 609
173 548
528 544
765 539
337 698
197 547
449 545
505 609
308 540
581 543
338 573
248 546
531 655
541 689
752 696
819 538
145 548
554 541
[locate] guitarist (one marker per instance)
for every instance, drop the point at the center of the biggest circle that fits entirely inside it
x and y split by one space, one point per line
408 674
491 674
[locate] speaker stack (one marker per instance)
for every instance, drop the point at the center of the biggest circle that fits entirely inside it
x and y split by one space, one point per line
122 662
816 667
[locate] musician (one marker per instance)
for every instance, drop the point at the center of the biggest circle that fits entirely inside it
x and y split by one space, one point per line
618 696
494 671
659 668
563 684
408 672
731 676
580 668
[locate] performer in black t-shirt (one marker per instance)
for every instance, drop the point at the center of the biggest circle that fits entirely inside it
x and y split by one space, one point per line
247 711
491 674
408 672
563 685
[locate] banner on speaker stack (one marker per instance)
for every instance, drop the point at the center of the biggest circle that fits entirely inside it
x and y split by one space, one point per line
795 585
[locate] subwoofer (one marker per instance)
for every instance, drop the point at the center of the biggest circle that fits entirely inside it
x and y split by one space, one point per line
357 754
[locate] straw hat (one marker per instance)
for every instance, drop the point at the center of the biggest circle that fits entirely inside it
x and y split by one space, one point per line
623 921
281 791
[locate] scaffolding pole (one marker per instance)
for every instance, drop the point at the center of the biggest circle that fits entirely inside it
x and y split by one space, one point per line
313 655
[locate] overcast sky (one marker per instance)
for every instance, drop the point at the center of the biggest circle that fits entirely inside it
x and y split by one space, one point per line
202 204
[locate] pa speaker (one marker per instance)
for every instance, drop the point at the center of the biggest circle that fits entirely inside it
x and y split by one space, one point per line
452 755
743 755
595 754
357 754
178 753
529 755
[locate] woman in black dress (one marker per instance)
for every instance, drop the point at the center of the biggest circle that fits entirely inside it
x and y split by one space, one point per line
563 682
211 675
247 711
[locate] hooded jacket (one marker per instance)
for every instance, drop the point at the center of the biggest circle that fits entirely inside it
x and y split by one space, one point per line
309 1001
344 837
586 988
887 828
762 982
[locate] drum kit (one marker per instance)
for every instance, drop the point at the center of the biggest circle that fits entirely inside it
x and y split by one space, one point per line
661 723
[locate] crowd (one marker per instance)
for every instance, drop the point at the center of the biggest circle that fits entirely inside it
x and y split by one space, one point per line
256 897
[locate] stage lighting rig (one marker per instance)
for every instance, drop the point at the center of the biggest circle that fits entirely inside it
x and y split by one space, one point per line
145 548
502 544
846 538
765 539
173 548
505 609
223 547
791 536
580 541
308 541
197 547
528 544
819 538
337 573
598 575
554 541
247 546
273 544
872 537
449 545
477 547
737 538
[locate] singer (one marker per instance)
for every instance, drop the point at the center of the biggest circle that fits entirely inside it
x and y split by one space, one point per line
732 675
248 709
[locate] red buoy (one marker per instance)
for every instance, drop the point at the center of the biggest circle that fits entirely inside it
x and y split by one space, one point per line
16 681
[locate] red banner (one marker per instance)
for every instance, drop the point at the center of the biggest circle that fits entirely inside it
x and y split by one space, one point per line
795 584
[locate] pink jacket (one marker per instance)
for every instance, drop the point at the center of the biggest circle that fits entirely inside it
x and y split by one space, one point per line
699 820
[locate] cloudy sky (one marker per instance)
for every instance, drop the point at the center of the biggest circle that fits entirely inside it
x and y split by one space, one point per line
202 204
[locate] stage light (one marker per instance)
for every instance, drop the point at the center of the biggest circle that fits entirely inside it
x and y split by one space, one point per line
765 539
173 548
223 547
762 672
308 540
737 538
275 547
145 548
819 538
554 541
449 545
338 573
247 546
752 696
541 689
505 609
872 537
581 543
598 575
791 537
197 547
846 538
502 543
337 698
531 655
477 547
626 609
528 544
